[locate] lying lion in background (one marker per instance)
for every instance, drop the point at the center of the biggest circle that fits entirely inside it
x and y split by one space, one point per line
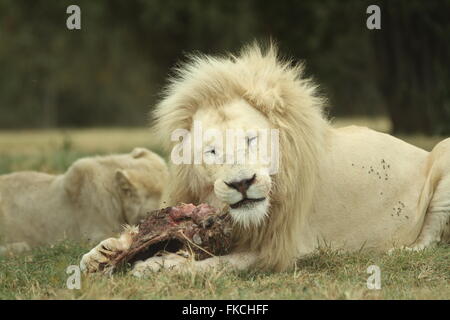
89 202
348 188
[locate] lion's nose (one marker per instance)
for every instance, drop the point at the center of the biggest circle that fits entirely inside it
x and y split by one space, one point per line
243 185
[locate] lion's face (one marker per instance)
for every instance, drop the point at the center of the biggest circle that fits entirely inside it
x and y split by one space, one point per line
140 183
236 179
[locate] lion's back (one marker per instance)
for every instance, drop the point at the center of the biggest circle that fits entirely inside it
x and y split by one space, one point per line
20 184
22 195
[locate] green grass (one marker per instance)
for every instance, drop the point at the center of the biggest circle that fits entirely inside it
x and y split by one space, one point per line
41 273
55 162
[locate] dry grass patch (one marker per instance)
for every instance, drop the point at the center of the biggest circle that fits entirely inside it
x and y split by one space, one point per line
41 274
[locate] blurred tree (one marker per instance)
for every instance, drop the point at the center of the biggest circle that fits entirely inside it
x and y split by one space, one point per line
413 54
111 71
332 38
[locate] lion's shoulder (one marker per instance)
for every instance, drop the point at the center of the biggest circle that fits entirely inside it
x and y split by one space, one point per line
23 181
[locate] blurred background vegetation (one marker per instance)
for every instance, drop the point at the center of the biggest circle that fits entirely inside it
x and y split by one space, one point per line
109 73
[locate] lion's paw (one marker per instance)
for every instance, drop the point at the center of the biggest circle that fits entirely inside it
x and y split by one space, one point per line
395 249
413 248
169 261
96 259
416 248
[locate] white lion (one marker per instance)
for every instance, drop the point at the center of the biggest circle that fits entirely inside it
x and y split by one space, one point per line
348 188
89 202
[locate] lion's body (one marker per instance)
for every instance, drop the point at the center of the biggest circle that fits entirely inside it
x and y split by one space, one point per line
85 203
34 208
349 188
368 192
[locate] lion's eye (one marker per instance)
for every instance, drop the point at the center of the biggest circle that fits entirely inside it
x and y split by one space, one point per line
211 151
251 141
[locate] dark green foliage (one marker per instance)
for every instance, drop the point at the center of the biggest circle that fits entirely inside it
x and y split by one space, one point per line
414 50
111 71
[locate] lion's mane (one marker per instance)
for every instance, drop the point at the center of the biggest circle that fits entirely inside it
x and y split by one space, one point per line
277 88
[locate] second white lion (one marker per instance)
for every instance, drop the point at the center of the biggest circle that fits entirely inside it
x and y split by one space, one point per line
89 202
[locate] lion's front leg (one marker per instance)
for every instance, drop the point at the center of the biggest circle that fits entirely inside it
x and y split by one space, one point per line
99 256
235 261
172 261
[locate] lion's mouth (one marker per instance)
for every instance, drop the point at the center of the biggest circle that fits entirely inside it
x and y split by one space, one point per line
245 202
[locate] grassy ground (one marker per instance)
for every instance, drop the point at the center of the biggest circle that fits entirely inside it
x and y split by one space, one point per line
325 275
41 273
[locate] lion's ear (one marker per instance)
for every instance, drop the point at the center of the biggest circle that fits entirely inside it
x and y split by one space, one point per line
126 186
75 178
139 152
